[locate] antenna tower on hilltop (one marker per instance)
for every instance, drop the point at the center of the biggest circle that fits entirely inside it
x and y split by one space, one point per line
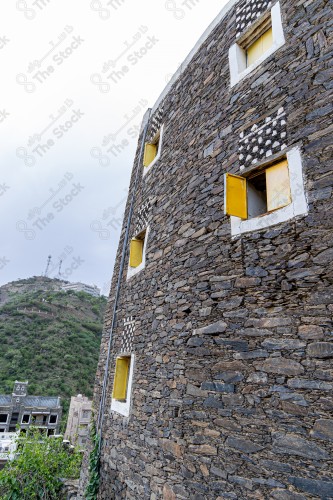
48 265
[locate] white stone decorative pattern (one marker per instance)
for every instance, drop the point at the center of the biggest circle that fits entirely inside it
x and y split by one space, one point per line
248 11
142 217
262 140
128 335
155 123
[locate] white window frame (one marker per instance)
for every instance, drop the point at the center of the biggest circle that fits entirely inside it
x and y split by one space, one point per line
123 407
298 206
53 415
158 135
237 55
4 423
26 423
132 271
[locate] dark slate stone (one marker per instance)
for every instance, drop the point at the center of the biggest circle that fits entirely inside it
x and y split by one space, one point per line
218 387
321 489
236 345
289 444
243 445
320 350
212 402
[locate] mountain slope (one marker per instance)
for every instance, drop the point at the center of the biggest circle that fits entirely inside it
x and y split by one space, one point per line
49 337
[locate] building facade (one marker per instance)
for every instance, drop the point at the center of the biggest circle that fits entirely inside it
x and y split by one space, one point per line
24 410
82 287
7 447
215 376
79 417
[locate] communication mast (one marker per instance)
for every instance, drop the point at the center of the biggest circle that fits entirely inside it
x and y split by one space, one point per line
59 272
48 265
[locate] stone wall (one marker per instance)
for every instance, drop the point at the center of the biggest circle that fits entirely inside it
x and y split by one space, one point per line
233 379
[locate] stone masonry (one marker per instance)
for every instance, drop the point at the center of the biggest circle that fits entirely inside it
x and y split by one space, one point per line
232 336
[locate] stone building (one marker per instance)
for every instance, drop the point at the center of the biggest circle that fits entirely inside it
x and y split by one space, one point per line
24 410
79 416
215 376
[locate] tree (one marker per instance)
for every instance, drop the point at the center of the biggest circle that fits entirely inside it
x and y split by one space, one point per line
37 471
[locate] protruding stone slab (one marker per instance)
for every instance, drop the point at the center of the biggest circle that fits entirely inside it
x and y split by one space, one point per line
283 366
243 445
213 329
290 444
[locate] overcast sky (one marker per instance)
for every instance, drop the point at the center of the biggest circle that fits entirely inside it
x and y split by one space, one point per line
76 79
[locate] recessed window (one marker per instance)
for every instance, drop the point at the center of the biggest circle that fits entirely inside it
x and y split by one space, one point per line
121 378
26 418
3 418
136 249
258 42
261 192
259 47
152 151
137 253
86 414
122 384
267 195
53 419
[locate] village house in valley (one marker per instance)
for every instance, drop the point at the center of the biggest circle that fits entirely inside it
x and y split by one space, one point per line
215 375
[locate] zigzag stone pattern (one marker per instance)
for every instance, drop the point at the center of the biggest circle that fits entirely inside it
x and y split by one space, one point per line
248 11
263 139
155 123
128 334
142 216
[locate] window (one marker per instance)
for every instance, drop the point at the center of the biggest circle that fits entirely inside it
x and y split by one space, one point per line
85 414
3 418
259 47
53 419
137 251
121 378
122 384
261 40
152 151
268 195
259 193
26 418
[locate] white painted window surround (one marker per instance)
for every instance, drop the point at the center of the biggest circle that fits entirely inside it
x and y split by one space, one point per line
298 206
157 157
132 271
237 55
123 408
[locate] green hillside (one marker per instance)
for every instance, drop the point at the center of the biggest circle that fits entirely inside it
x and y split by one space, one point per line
49 337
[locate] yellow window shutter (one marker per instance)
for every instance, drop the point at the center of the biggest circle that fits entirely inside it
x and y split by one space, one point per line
136 252
120 378
267 40
236 196
259 47
149 154
278 186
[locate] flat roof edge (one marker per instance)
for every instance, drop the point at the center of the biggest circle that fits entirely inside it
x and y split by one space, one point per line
195 49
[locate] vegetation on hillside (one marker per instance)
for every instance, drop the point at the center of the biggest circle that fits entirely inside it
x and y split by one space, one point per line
50 338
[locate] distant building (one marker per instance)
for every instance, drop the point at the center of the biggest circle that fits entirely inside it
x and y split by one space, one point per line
82 287
79 416
21 409
7 447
